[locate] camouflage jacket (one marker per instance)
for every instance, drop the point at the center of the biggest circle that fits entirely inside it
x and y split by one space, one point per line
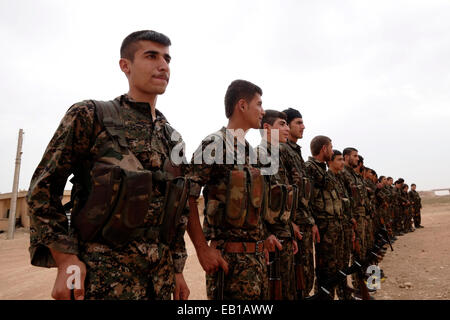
72 150
371 189
211 169
414 195
292 155
355 184
325 201
264 151
383 196
343 193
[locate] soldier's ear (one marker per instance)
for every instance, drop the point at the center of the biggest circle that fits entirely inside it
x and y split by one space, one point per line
125 66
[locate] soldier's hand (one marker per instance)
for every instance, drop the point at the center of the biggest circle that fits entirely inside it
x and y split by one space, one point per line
297 232
211 260
181 289
271 242
295 246
70 269
354 223
315 234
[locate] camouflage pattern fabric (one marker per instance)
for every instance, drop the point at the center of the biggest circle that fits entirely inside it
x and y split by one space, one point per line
280 229
78 140
417 206
291 155
247 278
327 212
137 272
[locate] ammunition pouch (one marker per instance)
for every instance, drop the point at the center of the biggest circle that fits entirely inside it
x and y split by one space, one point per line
282 203
306 191
117 204
174 203
244 200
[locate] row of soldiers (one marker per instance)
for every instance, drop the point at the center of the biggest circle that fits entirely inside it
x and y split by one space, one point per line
346 205
134 195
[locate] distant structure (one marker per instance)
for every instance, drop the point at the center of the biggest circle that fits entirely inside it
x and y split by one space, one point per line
22 209
441 191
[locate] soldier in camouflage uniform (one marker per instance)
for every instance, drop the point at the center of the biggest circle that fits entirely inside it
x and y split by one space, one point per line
327 211
279 220
144 267
417 203
383 199
233 216
397 200
408 209
336 165
371 206
303 219
356 189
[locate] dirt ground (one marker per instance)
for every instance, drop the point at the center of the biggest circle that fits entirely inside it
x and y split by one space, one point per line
418 268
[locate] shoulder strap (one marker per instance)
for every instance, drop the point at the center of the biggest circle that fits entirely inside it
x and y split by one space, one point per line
109 116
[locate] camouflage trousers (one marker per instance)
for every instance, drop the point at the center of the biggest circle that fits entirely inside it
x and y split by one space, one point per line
307 257
417 218
407 222
361 226
347 248
246 279
287 270
138 271
370 239
329 251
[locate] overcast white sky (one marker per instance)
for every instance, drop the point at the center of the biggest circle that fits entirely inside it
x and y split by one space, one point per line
370 74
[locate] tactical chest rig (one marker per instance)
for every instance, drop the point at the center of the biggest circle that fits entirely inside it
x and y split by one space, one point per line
120 190
304 186
327 200
244 196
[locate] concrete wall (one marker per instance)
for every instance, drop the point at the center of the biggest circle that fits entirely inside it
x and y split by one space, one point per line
22 208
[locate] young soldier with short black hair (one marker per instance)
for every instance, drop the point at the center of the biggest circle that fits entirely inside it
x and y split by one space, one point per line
124 144
335 167
327 210
225 165
417 205
303 220
279 213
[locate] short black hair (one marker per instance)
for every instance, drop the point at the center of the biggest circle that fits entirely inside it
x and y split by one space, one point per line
335 154
361 159
381 178
292 114
348 151
271 116
129 47
401 180
390 178
237 90
317 143
413 184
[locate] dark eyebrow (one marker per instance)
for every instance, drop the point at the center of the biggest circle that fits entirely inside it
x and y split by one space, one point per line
166 55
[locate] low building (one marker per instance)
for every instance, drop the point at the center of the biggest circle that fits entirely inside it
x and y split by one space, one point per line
22 209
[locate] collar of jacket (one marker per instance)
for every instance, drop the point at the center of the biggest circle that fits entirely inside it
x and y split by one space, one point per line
142 107
322 165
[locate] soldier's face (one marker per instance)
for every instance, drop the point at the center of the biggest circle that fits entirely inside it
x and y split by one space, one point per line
384 181
283 129
353 159
328 152
253 112
149 72
297 127
390 182
337 163
413 188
